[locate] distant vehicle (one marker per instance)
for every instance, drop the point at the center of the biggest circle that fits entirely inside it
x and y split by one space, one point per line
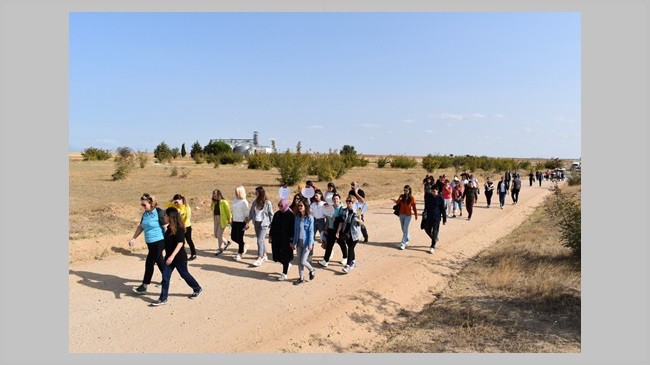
575 166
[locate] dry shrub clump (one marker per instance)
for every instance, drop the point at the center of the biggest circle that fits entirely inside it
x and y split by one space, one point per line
521 295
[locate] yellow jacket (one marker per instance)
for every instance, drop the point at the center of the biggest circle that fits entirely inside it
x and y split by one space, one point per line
184 211
224 209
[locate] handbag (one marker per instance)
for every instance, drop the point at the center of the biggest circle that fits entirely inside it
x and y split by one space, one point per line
396 209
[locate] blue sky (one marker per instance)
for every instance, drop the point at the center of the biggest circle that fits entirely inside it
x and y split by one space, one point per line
495 84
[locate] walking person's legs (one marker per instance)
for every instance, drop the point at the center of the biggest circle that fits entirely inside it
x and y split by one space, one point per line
188 238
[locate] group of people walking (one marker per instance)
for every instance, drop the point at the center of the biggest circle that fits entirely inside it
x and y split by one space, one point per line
292 228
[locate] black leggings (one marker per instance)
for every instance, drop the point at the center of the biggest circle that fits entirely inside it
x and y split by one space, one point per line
237 235
188 238
351 244
154 257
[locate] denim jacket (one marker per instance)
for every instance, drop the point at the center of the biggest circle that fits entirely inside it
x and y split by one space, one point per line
350 217
307 226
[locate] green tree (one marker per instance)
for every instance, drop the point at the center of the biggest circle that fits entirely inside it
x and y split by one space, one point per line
162 152
348 150
196 149
183 151
96 154
175 152
216 148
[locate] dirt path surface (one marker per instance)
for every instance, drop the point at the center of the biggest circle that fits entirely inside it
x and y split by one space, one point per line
244 309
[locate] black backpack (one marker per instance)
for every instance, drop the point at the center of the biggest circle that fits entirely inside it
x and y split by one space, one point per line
161 219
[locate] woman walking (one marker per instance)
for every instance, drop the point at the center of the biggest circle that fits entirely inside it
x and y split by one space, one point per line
152 224
281 236
434 206
303 240
316 209
406 203
458 199
222 218
488 187
178 202
502 190
239 214
349 231
333 221
470 195
175 257
261 213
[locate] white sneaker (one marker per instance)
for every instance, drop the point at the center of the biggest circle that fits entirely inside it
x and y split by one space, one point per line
323 263
238 257
346 269
402 247
282 277
431 250
245 249
257 262
344 261
264 258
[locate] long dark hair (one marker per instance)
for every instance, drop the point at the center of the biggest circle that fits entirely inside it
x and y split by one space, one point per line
406 198
261 197
175 221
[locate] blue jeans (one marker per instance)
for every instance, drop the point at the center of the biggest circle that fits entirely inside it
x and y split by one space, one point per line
185 274
404 221
303 257
502 199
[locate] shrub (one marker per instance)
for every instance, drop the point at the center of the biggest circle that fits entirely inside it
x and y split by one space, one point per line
382 161
430 163
212 159
121 172
175 152
163 153
143 158
184 172
174 171
259 161
199 158
96 154
566 211
230 158
553 163
124 161
574 179
328 166
292 167
403 162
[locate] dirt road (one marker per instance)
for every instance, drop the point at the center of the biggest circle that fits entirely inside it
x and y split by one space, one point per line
244 309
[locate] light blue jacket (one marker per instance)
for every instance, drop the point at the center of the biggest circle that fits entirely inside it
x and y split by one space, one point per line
307 226
267 213
351 218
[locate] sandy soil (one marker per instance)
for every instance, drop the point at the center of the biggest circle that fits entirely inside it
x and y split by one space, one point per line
244 309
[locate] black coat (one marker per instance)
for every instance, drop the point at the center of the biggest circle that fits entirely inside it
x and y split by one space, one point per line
281 234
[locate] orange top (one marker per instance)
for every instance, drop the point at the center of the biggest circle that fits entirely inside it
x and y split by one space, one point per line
407 207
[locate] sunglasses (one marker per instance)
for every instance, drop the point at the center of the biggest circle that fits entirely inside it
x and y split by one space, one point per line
349 201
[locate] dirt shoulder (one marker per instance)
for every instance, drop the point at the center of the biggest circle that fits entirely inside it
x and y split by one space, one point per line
245 309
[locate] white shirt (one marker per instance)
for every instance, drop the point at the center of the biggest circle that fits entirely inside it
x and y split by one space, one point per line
316 209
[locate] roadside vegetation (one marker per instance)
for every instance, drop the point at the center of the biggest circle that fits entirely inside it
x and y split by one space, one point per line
520 296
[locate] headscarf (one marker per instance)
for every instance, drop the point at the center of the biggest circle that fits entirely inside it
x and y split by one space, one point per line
284 205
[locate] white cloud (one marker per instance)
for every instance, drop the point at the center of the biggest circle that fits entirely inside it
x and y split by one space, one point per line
449 125
561 118
315 127
448 116
477 115
499 116
428 131
368 125
408 121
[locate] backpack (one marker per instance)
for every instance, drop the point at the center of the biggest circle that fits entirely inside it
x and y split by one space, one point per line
161 219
